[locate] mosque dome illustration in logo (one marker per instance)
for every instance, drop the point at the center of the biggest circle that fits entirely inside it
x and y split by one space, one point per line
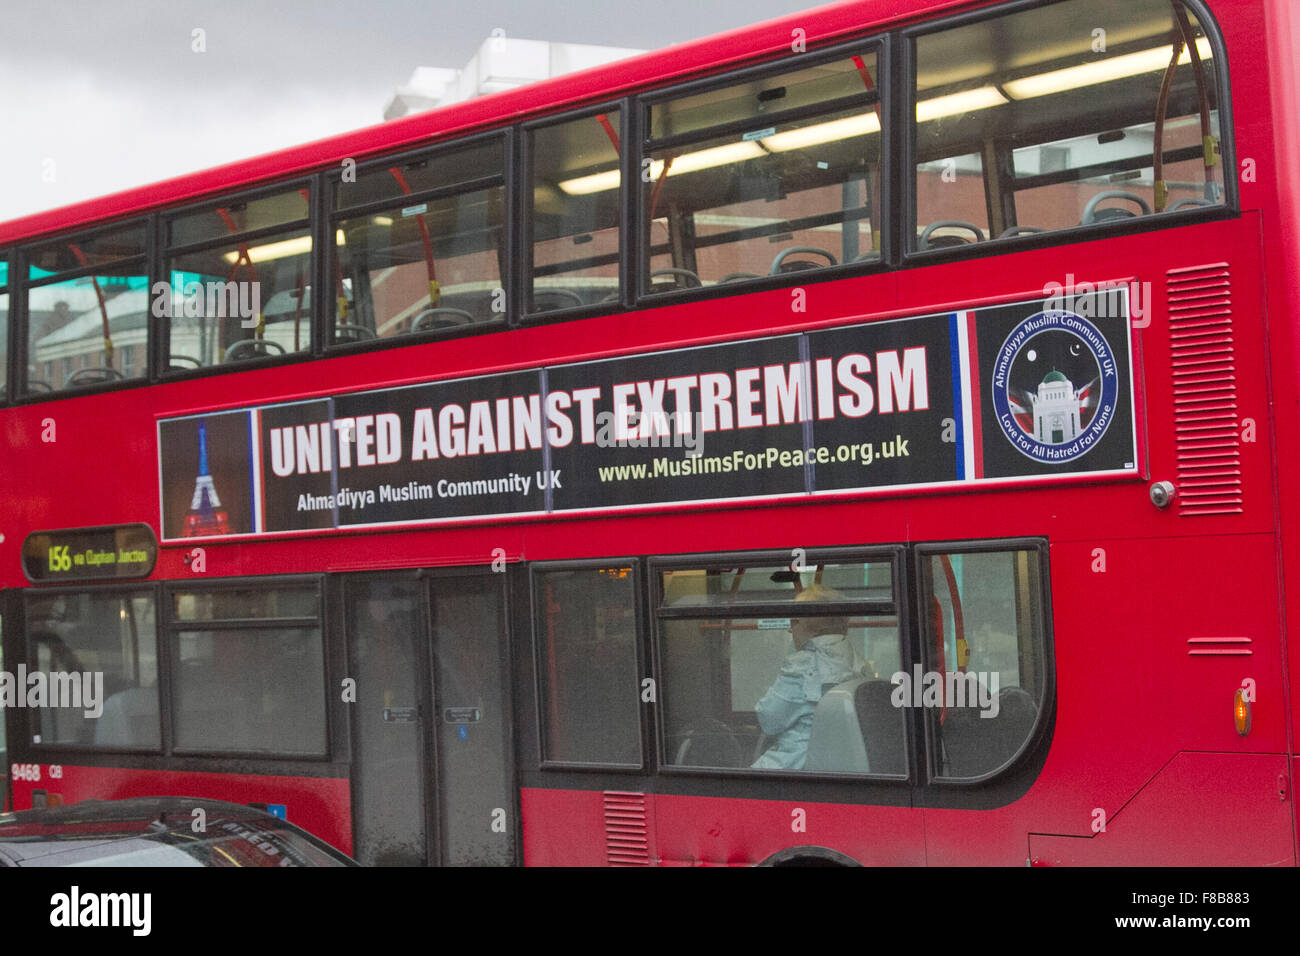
1054 387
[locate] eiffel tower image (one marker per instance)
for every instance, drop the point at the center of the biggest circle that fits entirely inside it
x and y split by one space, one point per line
206 514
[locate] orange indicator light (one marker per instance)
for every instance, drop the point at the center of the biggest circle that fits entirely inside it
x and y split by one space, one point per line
1241 712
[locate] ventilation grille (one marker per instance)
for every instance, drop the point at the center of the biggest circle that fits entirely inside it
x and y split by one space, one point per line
626 843
1205 390
1219 647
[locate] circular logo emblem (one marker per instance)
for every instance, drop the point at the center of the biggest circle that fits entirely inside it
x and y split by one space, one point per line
1055 387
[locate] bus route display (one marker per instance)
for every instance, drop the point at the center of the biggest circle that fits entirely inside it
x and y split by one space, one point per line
1029 390
90 554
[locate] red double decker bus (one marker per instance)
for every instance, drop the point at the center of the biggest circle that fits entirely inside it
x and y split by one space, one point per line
858 438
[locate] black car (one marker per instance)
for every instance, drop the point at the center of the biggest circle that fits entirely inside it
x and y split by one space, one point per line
158 831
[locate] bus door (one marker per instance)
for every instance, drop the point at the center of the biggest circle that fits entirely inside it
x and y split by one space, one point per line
431 757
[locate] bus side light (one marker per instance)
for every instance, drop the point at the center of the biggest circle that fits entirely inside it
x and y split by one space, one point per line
1241 711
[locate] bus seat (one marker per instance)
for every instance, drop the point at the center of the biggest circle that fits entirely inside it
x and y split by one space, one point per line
93 376
975 745
569 299
1011 231
1093 214
679 279
928 239
351 332
836 742
708 743
441 317
1191 202
246 349
1017 713
780 265
882 726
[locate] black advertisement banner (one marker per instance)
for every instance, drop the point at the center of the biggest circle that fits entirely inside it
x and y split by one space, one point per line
1028 390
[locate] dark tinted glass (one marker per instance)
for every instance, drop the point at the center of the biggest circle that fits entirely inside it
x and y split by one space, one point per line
78 252
237 216
245 604
399 180
254 690
712 587
586 637
4 342
385 623
471 688
755 99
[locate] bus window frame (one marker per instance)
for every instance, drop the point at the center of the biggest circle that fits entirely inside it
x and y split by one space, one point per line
898 557
507 137
995 247
539 687
170 627
166 215
881 43
628 170
1045 719
21 729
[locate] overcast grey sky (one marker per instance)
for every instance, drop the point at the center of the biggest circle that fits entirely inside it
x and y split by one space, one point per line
99 95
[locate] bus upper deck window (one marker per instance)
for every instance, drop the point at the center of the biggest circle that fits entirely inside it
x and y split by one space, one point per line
769 176
574 213
87 309
1015 136
238 281
419 245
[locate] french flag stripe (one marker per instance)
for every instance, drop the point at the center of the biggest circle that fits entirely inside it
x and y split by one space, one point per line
967 348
